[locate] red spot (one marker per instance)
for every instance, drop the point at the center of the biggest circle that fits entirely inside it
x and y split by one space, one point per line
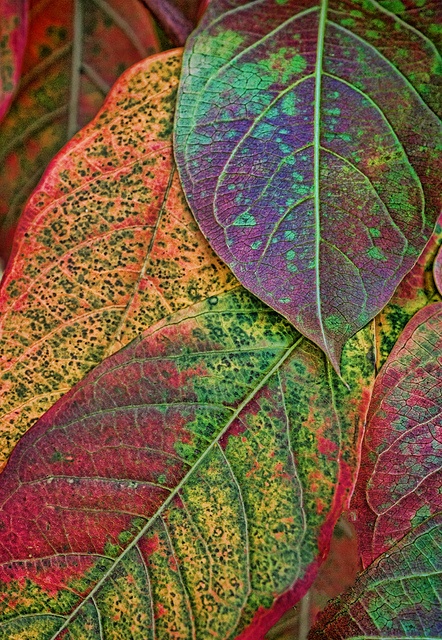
160 610
326 446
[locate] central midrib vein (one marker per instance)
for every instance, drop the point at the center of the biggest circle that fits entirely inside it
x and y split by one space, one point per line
317 151
276 367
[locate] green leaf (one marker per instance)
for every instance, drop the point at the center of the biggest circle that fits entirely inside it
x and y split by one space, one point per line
308 140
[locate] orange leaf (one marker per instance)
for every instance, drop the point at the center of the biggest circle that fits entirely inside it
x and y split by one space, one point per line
72 58
95 260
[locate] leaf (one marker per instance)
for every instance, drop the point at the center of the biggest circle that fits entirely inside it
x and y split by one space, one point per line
398 596
189 483
335 575
416 290
400 480
308 143
76 50
438 270
13 29
105 248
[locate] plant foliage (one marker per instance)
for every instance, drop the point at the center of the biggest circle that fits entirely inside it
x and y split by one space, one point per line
176 453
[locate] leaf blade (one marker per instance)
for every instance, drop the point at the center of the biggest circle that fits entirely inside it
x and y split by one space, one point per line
399 481
14 26
73 56
398 596
106 247
273 171
225 428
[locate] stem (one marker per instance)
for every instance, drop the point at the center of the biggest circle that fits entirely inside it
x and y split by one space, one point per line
172 20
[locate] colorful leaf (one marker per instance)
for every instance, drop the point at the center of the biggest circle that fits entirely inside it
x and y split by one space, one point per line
105 248
438 270
13 30
76 50
400 479
399 596
308 144
336 574
416 290
190 483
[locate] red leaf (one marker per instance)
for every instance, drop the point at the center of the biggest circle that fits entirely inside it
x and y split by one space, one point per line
398 596
438 270
184 480
75 52
13 30
400 478
416 290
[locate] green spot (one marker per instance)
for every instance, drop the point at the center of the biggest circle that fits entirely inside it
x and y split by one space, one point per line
284 300
395 6
245 219
162 478
125 536
231 187
290 255
292 267
112 550
289 235
374 232
256 244
224 45
334 323
376 253
348 22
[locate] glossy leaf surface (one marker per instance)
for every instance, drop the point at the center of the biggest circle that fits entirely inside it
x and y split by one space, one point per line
189 484
417 289
76 50
13 29
398 596
308 141
400 479
105 248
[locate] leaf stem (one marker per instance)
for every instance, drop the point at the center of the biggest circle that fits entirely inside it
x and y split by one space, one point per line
172 20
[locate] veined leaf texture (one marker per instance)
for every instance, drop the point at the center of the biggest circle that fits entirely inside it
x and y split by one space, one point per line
398 596
187 487
105 248
13 30
400 478
308 139
76 50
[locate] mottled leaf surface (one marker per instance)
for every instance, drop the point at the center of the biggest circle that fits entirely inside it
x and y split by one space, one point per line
76 50
337 574
308 141
105 248
187 487
417 289
400 479
438 271
13 29
399 596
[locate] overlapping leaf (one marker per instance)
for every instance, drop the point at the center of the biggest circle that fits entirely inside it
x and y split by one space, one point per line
13 30
399 596
187 487
417 289
308 141
438 271
400 479
106 247
76 50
